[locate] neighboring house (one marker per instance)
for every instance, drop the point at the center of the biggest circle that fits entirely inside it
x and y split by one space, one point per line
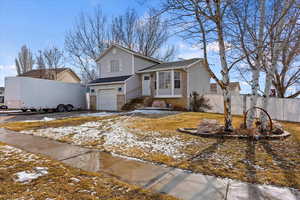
234 88
125 75
1 95
60 74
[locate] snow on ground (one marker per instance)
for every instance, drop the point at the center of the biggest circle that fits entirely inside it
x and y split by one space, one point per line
25 176
98 114
10 111
112 133
45 119
149 112
12 152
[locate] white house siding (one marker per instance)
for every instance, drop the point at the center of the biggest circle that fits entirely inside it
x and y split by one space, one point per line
140 63
125 63
198 79
133 87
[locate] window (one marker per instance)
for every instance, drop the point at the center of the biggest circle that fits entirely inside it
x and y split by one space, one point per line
146 78
1 99
164 80
114 66
176 79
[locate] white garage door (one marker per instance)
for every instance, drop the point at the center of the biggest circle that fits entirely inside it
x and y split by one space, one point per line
107 99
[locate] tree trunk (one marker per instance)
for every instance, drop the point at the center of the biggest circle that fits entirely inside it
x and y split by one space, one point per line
254 96
225 78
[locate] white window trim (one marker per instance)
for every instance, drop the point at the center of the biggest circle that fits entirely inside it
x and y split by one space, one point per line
110 67
172 86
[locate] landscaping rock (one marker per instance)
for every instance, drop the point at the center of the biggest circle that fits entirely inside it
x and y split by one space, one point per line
277 128
209 126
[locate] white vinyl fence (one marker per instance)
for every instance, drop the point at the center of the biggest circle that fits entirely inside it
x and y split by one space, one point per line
278 108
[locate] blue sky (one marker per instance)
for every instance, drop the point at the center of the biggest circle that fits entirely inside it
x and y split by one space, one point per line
40 23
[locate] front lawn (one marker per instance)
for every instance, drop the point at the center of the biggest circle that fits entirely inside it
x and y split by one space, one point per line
155 139
28 176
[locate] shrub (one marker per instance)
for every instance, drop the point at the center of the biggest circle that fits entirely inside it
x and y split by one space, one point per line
199 103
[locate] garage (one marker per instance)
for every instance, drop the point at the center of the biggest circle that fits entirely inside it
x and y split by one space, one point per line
107 99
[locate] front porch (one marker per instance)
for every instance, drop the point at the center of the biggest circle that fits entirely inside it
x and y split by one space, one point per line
167 85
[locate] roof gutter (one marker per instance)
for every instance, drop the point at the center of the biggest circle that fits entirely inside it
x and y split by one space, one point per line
106 83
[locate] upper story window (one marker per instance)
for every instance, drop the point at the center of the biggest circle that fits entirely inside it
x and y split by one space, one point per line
176 79
114 66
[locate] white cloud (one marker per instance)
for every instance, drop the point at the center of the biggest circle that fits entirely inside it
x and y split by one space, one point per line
6 70
213 46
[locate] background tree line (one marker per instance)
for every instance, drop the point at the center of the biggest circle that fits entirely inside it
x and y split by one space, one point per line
92 33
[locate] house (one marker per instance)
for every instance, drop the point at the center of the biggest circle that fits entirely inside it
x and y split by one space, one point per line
234 88
126 75
1 95
60 74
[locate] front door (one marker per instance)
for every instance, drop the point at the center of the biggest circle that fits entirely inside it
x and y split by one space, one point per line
146 85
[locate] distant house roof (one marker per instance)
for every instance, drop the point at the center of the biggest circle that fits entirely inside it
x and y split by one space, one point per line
129 51
110 79
232 86
167 65
44 73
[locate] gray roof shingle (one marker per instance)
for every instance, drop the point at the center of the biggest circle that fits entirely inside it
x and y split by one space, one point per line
181 63
110 79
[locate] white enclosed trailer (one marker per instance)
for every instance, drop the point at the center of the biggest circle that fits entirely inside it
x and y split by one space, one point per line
41 94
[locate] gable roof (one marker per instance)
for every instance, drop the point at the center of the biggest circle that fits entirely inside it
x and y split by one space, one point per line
128 51
44 73
168 65
110 79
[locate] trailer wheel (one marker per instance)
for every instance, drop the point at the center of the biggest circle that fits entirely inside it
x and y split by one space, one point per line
69 108
61 108
33 110
24 110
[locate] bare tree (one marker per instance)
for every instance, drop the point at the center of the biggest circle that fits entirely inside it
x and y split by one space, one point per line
287 72
275 26
204 22
247 20
40 63
123 29
25 61
86 41
147 35
53 58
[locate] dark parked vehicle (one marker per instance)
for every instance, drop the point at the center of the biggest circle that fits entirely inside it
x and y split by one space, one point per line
3 107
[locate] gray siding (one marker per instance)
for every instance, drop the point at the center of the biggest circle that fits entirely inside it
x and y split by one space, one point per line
140 63
198 79
125 61
133 87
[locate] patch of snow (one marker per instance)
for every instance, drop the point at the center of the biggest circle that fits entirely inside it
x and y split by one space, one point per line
27 176
45 119
98 114
9 111
149 112
75 179
114 133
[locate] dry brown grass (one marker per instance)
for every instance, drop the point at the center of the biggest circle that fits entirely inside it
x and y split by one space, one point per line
268 162
73 121
57 184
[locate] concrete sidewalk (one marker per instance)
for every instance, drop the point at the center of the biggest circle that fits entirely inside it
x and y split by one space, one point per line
173 181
